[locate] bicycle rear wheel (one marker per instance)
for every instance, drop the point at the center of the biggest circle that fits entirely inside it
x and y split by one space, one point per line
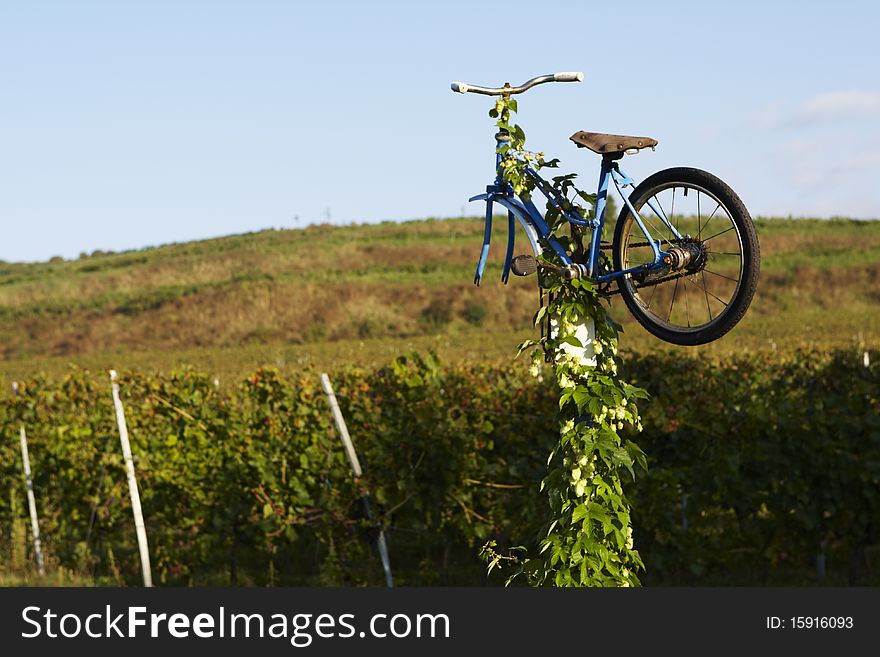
708 287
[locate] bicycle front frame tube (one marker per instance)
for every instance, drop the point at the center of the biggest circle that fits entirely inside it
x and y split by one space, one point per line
608 172
538 231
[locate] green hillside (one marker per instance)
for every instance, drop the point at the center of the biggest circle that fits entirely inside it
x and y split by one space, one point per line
361 294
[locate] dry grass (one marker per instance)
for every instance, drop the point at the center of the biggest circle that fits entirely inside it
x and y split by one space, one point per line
313 291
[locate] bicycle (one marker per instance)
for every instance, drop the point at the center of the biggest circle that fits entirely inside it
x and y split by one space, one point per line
648 268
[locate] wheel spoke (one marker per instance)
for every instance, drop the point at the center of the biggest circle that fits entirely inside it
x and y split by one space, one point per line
721 233
663 217
651 223
672 212
653 291
687 310
709 271
709 294
711 215
738 255
674 290
699 220
703 276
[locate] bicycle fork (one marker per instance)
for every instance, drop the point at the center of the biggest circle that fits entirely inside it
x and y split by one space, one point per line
487 237
499 186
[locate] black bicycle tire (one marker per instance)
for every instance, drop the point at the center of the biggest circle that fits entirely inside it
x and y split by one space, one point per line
751 254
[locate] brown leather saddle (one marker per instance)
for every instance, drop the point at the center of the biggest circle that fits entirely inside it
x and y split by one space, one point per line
613 145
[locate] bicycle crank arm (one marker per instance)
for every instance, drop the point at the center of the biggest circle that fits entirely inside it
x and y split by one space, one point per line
525 265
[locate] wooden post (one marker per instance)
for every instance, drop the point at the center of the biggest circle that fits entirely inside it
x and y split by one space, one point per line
339 420
132 483
340 425
32 502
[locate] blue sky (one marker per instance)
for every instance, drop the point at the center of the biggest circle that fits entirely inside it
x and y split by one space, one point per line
128 124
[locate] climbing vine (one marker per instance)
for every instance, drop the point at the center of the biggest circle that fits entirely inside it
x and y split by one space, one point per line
587 539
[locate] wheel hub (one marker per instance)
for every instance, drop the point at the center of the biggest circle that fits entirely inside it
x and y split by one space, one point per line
688 255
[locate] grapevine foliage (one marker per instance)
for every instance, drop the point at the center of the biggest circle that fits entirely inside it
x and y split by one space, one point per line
758 463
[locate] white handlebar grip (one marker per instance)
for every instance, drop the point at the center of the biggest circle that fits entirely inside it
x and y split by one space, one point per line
460 87
568 76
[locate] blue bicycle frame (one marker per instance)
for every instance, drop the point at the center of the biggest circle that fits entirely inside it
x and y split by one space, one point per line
538 231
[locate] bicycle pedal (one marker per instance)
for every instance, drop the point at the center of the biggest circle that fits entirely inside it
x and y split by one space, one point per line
524 265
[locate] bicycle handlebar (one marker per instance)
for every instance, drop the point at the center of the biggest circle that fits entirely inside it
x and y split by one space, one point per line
567 76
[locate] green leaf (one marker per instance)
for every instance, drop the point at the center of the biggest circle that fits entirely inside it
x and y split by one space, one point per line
564 398
526 345
573 341
581 398
596 512
579 513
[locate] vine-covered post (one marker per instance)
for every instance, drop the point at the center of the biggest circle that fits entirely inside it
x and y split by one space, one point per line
32 502
587 539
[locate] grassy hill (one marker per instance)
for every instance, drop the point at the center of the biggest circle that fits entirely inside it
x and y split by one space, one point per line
361 294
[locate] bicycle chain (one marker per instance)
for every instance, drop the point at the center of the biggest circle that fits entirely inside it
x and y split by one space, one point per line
607 245
650 284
